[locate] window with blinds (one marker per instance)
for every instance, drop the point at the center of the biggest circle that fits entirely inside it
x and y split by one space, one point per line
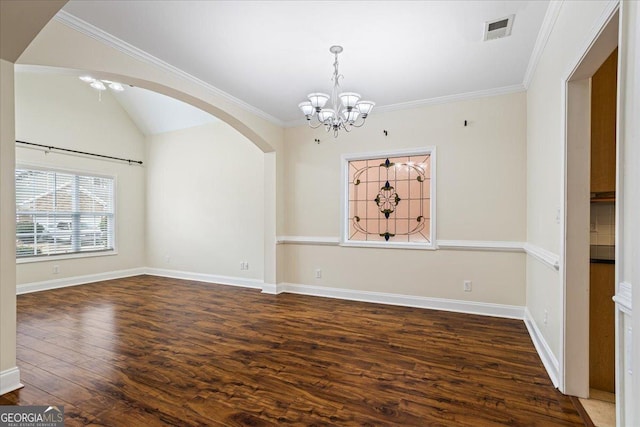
63 213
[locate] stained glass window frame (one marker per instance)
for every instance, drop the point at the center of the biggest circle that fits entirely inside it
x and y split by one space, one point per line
387 242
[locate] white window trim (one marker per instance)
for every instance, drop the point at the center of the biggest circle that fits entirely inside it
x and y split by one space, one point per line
344 199
107 252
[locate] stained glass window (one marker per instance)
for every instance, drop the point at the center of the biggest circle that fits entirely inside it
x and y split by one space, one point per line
390 198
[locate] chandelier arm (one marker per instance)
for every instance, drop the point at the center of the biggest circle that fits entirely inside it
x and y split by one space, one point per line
316 126
360 125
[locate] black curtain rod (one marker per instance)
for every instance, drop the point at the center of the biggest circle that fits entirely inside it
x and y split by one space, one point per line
51 147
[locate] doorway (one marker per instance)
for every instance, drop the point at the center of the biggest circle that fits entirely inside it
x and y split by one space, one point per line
589 230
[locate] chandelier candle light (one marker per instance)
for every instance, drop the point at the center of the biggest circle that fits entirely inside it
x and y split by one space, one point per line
346 112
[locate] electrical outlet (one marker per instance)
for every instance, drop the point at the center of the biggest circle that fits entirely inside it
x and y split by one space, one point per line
546 317
241 265
246 265
56 269
167 259
467 285
318 274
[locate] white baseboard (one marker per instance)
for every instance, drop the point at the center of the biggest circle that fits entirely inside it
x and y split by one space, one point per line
10 380
207 278
544 351
270 288
469 307
77 280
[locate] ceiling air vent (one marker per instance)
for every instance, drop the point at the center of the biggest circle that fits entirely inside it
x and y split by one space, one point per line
498 28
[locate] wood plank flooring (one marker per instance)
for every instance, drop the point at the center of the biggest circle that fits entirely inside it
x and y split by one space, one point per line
150 351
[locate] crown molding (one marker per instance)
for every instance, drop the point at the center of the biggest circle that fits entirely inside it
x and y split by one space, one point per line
541 42
102 36
504 90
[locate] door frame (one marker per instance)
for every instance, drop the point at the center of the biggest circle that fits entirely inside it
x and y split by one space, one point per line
575 205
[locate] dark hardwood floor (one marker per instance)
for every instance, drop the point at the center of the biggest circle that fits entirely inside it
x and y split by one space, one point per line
149 351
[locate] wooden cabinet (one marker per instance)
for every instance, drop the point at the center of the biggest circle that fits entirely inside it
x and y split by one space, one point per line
602 327
603 126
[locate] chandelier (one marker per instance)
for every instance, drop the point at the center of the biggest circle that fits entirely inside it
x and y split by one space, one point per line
345 111
101 85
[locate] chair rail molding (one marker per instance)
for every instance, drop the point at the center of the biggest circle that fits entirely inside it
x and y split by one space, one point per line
473 245
623 299
308 240
482 245
546 257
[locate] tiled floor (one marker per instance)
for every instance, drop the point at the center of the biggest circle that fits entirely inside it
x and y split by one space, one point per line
601 407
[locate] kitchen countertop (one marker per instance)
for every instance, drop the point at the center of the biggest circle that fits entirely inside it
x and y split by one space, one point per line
603 254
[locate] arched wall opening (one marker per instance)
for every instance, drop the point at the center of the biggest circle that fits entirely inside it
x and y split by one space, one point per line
162 89
194 208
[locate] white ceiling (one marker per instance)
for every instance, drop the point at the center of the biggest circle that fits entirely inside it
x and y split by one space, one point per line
154 113
270 54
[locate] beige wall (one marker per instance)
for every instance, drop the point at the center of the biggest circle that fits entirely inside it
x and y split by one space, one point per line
65 112
7 218
545 146
205 202
60 46
481 167
480 196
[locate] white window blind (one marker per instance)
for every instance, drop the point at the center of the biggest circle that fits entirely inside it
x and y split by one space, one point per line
63 213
